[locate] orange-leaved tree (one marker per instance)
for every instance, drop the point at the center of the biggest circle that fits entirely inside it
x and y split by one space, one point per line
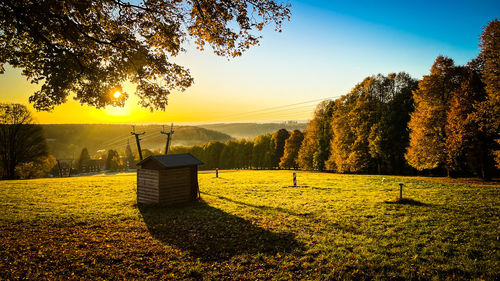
427 149
315 149
278 140
292 146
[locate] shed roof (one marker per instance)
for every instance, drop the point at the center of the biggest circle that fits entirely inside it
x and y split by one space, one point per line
173 160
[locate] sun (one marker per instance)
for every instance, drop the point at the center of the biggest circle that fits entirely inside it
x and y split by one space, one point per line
117 94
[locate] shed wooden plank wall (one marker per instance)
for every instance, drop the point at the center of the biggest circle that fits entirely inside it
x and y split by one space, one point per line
175 185
147 186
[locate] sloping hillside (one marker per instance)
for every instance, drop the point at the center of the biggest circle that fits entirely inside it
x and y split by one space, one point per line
66 140
251 130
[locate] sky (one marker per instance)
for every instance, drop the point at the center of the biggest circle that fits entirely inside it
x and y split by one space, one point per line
324 50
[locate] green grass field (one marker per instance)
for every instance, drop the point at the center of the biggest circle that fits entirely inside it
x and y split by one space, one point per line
252 225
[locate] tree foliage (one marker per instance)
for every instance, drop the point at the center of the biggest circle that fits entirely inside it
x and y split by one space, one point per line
236 154
21 141
262 152
292 147
233 154
315 149
453 126
466 145
369 125
427 149
112 160
83 159
91 48
228 155
278 140
38 168
389 136
212 151
488 115
351 131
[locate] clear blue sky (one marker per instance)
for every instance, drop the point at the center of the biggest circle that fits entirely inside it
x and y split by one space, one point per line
326 48
452 22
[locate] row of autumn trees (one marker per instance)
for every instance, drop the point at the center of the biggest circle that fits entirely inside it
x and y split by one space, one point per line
456 122
363 131
269 151
446 123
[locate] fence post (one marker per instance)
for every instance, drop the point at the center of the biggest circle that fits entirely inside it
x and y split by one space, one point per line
216 172
294 179
400 190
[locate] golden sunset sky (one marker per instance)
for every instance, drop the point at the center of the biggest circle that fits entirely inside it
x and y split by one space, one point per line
326 48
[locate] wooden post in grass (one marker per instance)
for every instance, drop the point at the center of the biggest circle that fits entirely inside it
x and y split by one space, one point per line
294 179
401 190
216 172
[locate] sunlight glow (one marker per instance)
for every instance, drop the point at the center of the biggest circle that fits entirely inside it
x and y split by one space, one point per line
117 94
117 111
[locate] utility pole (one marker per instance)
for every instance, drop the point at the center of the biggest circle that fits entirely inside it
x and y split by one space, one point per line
169 136
137 140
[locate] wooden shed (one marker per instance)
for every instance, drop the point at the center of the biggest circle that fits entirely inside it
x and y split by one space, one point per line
168 179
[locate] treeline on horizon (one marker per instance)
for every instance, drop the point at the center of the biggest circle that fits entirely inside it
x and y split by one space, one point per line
445 124
252 130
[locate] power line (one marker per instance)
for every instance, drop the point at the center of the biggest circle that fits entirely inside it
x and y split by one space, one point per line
115 139
294 109
110 144
253 112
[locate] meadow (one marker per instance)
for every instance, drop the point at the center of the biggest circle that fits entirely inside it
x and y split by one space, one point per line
252 225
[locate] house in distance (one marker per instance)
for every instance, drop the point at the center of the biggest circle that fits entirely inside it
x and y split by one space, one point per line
168 179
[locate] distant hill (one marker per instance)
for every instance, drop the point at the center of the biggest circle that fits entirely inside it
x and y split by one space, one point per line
66 140
252 130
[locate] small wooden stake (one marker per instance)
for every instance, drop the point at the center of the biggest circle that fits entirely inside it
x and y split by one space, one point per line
294 179
400 190
216 172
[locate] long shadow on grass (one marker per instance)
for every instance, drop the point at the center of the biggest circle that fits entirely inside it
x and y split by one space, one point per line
211 234
261 207
407 201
